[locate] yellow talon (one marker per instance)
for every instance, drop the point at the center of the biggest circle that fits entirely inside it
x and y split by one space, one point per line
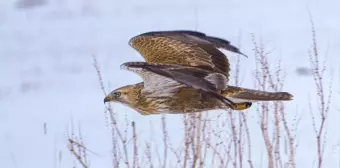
243 106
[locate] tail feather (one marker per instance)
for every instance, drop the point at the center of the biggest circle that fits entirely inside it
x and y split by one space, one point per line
256 95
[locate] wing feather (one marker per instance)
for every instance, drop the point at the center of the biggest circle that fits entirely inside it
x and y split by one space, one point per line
182 47
154 85
216 41
206 81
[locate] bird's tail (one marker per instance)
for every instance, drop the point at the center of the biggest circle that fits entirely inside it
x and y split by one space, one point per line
244 94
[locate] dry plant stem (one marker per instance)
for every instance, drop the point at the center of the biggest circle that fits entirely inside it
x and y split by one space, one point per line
215 152
281 111
124 142
78 157
81 146
135 147
158 155
218 158
197 154
240 116
187 140
243 123
278 85
77 147
165 141
278 162
80 154
234 136
290 137
115 158
227 154
250 162
207 140
232 123
260 54
148 154
264 129
111 114
262 79
324 106
176 153
240 145
283 120
278 107
192 135
274 86
204 130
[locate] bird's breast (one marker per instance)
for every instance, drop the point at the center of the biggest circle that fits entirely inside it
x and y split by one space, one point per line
185 100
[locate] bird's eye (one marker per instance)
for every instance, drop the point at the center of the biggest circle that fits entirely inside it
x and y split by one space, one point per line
117 94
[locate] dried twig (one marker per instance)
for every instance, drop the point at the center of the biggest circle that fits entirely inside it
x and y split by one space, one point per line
318 73
135 146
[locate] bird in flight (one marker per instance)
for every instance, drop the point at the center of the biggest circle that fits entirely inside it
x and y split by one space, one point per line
184 72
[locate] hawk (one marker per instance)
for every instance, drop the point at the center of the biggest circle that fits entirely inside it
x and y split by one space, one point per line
184 72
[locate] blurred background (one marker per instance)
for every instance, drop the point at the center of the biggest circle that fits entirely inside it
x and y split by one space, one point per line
48 84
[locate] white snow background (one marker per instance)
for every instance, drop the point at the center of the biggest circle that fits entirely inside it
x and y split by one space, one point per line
47 76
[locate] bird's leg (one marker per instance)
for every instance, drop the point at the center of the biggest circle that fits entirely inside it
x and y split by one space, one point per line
236 106
243 106
231 91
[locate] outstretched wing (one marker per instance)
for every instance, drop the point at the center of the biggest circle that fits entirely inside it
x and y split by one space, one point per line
160 77
182 47
240 95
154 85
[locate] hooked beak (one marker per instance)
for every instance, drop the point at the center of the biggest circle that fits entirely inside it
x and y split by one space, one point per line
107 99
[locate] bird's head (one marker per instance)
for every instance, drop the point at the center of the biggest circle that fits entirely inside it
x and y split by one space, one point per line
127 94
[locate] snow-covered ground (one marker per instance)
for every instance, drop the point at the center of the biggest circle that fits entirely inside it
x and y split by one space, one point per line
47 77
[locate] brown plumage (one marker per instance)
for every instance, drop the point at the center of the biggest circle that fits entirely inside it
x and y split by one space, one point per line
188 48
239 94
186 100
184 72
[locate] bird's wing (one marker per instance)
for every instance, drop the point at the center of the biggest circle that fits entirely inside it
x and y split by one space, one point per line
188 48
154 85
160 77
240 95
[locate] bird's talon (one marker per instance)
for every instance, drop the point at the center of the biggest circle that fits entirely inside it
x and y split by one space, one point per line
243 106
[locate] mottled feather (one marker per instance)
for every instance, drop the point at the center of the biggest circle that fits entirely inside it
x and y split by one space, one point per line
188 48
239 95
184 72
216 41
190 76
154 85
